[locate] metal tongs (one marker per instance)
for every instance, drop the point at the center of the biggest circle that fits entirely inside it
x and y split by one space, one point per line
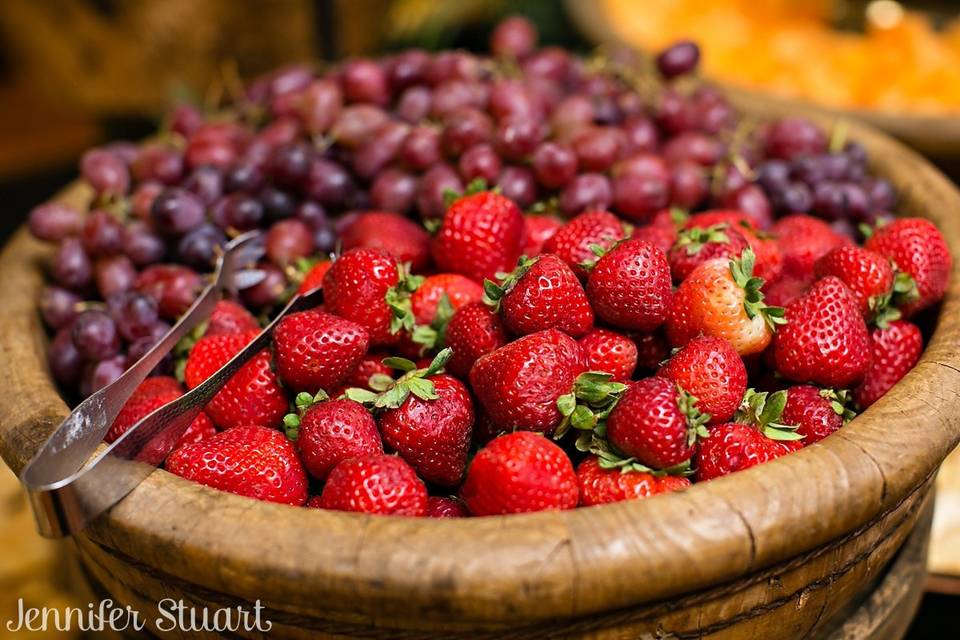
69 481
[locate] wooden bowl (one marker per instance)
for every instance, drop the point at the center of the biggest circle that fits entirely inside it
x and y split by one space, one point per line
782 550
936 136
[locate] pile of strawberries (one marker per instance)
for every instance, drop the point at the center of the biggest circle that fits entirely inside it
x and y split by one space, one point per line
497 368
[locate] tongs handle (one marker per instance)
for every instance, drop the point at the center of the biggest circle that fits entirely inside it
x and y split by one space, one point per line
63 499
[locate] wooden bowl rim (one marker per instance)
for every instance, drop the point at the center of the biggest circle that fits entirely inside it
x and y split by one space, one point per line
525 567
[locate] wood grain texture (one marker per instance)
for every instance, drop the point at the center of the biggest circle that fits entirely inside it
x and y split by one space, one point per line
708 558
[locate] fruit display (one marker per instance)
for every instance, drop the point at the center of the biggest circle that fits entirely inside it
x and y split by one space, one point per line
900 63
546 285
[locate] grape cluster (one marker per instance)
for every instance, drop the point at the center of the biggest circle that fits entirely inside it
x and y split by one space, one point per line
298 151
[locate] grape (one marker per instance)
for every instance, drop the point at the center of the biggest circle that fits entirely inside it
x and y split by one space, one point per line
510 98
268 291
134 314
808 169
856 153
64 360
277 204
856 201
243 177
639 136
793 137
464 129
515 37
54 221
324 239
414 104
550 62
696 146
408 68
312 213
689 184
518 184
95 335
597 148
647 165
711 110
289 240
159 163
173 286
679 59
176 211
114 274
288 80
554 165
480 161
289 164
371 158
199 248
752 201
773 175
394 190
517 137
206 183
421 148
242 211
185 119
586 191
451 65
572 115
97 376
675 113
58 306
357 124
143 197
881 194
365 81
105 172
140 346
319 105
434 183
638 197
102 234
71 267
142 245
328 183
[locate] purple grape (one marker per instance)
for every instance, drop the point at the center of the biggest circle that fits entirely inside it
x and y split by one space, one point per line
675 113
638 197
372 156
142 245
71 265
790 138
511 98
102 234
408 68
882 195
515 37
480 161
518 184
689 184
421 148
268 291
54 221
449 65
97 376
95 335
365 81
773 175
856 201
158 163
320 105
143 197
312 213
242 211
176 211
835 166
639 136
553 63
456 95
440 179
394 190
554 165
328 183
105 172
696 146
289 164
597 148
517 137
797 198
288 241
185 119
324 239
58 306
572 115
752 201
464 129
243 177
414 104
206 183
586 191
134 313
277 204
65 362
357 124
125 150
114 274
140 346
678 59
199 248
856 153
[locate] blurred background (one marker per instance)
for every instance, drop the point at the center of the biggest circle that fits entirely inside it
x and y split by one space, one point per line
75 73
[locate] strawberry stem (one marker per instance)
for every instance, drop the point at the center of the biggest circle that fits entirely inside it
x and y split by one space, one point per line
763 410
588 404
742 271
696 238
413 381
493 293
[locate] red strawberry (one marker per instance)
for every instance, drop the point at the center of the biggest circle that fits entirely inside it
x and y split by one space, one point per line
696 245
361 285
370 365
803 240
629 286
868 275
459 290
722 298
895 350
399 237
378 484
769 261
328 432
816 413
252 396
784 291
481 235
473 331
541 293
604 486
150 395
519 384
316 350
519 473
230 317
652 349
657 423
539 230
247 460
609 351
173 286
573 240
438 507
825 339
711 371
916 247
660 236
313 279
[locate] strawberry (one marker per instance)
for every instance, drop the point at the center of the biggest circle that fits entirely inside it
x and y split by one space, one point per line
722 298
894 351
369 288
784 291
868 275
458 289
769 261
573 240
519 384
917 248
313 278
825 339
316 350
652 349
480 235
696 245
327 432
816 413
230 317
444 507
363 376
391 233
473 331
803 240
605 486
629 286
252 396
540 228
757 436
519 473
656 423
150 395
710 369
609 351
541 293
248 460
660 236
427 418
378 484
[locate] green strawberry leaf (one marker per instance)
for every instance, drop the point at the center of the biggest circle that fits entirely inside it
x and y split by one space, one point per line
566 404
679 216
291 426
401 364
423 388
773 407
696 238
741 269
841 402
438 362
363 396
696 419
493 293
380 382
393 397
476 185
